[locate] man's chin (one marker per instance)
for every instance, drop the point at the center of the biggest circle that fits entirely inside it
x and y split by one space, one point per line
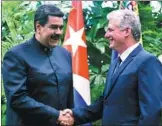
111 46
53 44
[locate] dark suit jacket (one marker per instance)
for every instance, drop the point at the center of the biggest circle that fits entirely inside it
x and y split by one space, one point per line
133 96
37 82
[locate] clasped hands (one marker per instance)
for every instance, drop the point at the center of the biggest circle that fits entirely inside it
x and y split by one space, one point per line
66 118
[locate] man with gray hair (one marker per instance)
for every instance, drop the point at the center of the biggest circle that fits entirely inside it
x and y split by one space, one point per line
132 94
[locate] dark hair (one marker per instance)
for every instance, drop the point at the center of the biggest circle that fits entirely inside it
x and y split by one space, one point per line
42 13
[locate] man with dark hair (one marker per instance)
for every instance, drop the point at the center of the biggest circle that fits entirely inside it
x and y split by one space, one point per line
37 74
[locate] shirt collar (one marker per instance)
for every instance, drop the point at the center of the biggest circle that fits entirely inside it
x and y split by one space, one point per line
126 53
41 46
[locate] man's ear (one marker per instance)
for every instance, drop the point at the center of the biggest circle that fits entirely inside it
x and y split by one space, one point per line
38 26
127 31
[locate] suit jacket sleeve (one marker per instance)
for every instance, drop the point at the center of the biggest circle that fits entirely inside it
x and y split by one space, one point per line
14 77
150 92
88 113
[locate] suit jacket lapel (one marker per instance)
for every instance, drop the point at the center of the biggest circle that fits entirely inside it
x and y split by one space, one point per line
111 83
108 78
121 68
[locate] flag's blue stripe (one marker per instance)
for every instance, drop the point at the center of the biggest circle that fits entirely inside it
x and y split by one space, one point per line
79 102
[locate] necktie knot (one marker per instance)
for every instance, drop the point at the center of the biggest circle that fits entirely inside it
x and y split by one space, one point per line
119 60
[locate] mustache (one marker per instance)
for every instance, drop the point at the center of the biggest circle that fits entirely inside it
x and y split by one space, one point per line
55 36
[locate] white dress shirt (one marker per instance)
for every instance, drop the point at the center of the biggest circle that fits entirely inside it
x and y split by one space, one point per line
126 53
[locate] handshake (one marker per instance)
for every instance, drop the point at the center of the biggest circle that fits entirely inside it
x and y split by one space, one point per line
66 118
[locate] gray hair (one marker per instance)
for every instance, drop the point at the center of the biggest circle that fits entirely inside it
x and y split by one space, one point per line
126 18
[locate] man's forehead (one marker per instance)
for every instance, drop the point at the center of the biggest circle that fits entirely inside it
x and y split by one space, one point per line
112 24
55 20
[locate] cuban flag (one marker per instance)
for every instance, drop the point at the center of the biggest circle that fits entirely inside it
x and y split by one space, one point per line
75 42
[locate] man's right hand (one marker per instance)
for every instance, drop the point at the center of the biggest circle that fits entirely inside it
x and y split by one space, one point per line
68 111
66 117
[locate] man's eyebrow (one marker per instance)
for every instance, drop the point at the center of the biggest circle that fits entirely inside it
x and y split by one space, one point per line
55 25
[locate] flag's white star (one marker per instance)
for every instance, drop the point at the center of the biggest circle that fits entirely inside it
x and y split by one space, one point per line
75 40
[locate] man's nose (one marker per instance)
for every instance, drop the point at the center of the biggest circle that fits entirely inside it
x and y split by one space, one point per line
107 34
58 31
